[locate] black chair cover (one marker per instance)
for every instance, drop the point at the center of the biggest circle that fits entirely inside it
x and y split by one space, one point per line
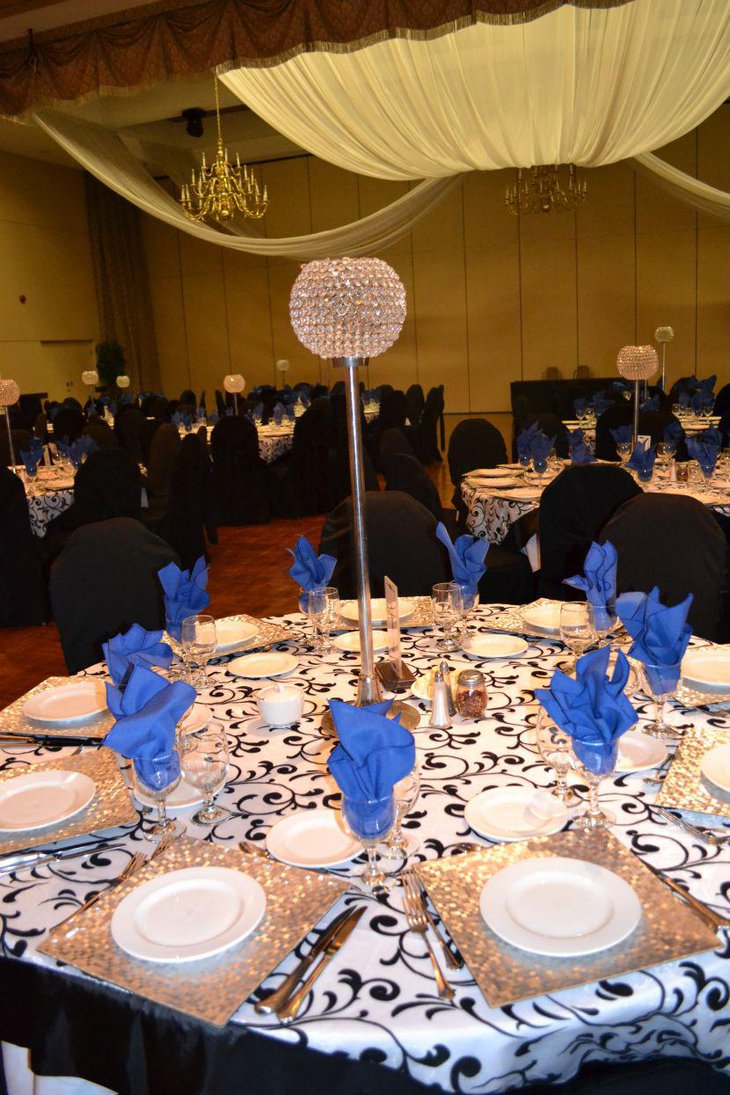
164 452
620 414
104 581
475 443
722 401
405 473
68 424
101 432
424 437
674 543
184 521
415 402
573 510
129 425
393 441
240 476
21 443
22 588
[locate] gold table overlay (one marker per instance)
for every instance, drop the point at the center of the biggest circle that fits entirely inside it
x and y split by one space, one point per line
13 721
683 787
213 988
667 930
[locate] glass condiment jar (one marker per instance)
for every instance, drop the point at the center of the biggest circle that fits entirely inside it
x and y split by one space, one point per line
471 694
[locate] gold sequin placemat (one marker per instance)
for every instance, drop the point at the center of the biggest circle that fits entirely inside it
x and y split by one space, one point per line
213 988
110 806
267 633
667 930
683 787
13 721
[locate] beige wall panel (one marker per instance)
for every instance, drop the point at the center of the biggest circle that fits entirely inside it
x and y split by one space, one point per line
658 211
302 364
713 157
493 316
33 192
548 304
541 230
487 221
440 295
606 301
161 244
207 330
333 195
609 207
198 257
247 292
665 293
443 228
53 367
713 306
288 213
399 365
171 334
374 194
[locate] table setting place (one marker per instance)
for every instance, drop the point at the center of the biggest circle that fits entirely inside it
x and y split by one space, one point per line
211 820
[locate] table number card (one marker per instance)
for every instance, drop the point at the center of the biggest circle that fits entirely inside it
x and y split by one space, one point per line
393 622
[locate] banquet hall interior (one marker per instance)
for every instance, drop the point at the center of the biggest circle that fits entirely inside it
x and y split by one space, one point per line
364 546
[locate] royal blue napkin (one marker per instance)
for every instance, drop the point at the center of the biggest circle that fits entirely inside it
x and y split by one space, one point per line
651 404
466 556
31 459
580 405
642 461
579 450
702 400
601 403
135 647
279 411
684 399
673 432
177 419
708 384
622 434
146 713
705 452
540 446
373 753
591 708
309 570
598 580
660 633
258 412
524 439
185 593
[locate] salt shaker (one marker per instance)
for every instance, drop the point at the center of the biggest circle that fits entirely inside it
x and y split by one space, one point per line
440 717
446 674
471 694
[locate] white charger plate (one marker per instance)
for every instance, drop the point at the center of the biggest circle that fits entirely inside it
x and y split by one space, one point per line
495 484
258 666
715 767
491 473
515 813
709 668
188 914
39 799
231 633
559 906
638 752
520 494
350 640
494 646
312 838
67 703
543 618
350 611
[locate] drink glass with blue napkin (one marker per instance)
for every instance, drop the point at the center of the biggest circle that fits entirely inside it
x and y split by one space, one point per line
623 437
642 462
672 434
580 452
540 448
31 459
466 556
580 406
705 449
651 404
592 710
135 647
598 582
660 636
185 593
523 444
309 570
601 403
373 754
279 411
702 401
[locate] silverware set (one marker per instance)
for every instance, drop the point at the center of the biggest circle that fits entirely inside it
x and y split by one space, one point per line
713 919
414 907
37 857
716 838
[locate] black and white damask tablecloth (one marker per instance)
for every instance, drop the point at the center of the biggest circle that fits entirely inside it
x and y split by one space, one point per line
44 505
377 1001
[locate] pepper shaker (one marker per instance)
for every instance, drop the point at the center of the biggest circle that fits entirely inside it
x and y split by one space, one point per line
471 694
440 717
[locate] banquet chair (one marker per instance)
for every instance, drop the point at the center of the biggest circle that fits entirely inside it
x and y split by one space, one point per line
101 432
240 478
406 473
105 580
675 543
163 457
621 414
68 424
415 402
22 587
129 423
184 522
475 443
393 441
425 436
21 442
573 510
722 401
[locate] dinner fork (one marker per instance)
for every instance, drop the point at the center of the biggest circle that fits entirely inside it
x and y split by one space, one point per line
136 862
705 835
454 961
417 922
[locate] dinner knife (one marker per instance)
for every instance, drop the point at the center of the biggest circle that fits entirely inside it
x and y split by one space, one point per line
289 1010
280 996
19 861
47 739
708 915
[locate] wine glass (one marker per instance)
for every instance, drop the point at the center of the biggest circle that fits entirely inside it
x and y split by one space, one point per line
371 820
204 755
623 449
540 467
525 460
602 618
406 792
594 763
660 682
322 609
663 456
198 640
446 603
469 601
554 747
156 777
575 630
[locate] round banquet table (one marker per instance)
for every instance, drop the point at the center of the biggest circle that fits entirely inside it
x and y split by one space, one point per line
374 1013
46 500
274 441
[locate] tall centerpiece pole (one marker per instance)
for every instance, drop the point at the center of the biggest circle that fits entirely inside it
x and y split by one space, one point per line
664 335
9 395
637 363
234 384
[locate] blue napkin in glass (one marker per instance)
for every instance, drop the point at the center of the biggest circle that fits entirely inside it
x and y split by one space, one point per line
683 399
708 384
540 446
660 634
309 570
673 432
704 451
642 460
466 556
291 413
187 420
579 450
258 412
591 708
177 419
622 434
524 439
31 459
185 593
581 404
146 713
135 647
651 404
702 400
278 415
622 385
601 403
598 580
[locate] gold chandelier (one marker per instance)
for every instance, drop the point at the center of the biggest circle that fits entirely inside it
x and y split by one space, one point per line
222 189
549 186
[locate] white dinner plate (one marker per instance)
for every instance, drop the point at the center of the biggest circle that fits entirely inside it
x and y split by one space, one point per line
709 668
494 646
543 618
559 906
231 633
422 687
521 494
183 796
312 838
495 484
350 611
715 767
38 799
490 473
515 813
638 753
350 640
189 914
258 666
67 703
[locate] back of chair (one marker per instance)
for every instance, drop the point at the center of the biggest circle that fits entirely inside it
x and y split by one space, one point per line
129 425
573 510
68 424
22 589
674 543
106 485
415 402
101 432
186 506
393 441
240 480
405 473
425 436
164 451
105 580
620 414
475 443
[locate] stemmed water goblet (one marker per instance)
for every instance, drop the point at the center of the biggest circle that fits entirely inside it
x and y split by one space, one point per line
554 747
602 619
198 640
371 821
156 777
469 601
660 682
323 608
406 792
204 756
525 460
447 607
594 763
623 449
575 630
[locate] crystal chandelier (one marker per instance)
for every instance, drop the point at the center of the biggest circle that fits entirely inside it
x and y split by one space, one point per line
548 186
222 189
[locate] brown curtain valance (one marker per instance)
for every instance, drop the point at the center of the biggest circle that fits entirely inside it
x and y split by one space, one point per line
144 46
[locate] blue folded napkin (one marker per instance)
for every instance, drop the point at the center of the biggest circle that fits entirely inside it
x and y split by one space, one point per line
651 404
591 708
524 439
258 412
539 448
683 399
705 452
177 419
185 593
146 713
708 384
622 434
214 417
581 404
291 413
278 415
601 403
660 634
309 570
673 432
702 400
135 647
466 555
31 459
622 385
187 420
598 580
642 461
579 450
